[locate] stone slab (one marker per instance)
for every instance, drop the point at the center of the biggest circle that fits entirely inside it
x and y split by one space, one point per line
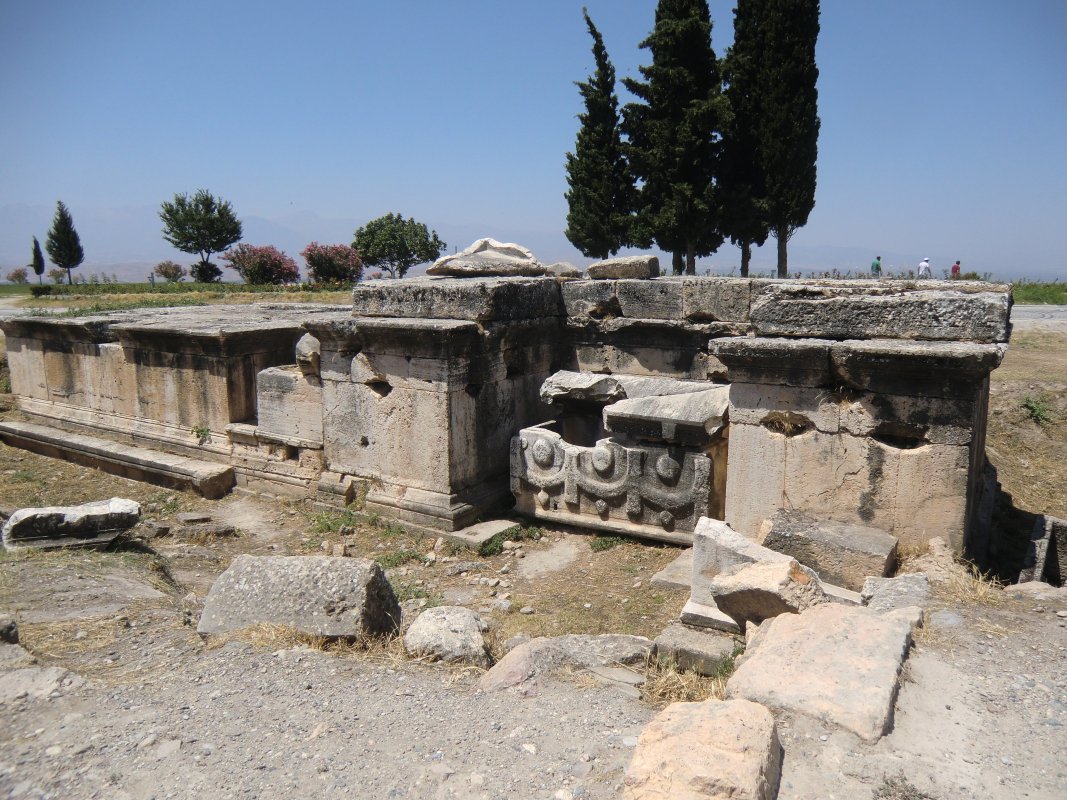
474 536
889 594
715 750
676 575
690 419
210 479
707 615
695 649
834 663
752 593
475 299
842 553
624 267
542 655
716 548
87 525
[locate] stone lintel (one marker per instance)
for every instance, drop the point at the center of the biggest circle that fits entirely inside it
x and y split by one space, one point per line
925 369
789 362
475 299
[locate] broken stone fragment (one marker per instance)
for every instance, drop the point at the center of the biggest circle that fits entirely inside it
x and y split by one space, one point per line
700 751
694 650
308 354
563 269
755 592
625 267
888 594
488 257
538 656
318 595
452 634
90 524
690 418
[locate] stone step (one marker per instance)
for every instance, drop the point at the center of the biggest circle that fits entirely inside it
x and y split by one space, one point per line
207 478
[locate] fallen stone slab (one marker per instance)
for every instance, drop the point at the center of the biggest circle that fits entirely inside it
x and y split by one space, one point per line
624 267
595 387
699 751
37 683
755 592
690 418
835 663
318 595
676 575
93 524
474 536
452 634
695 650
716 548
888 594
542 655
486 258
707 615
842 553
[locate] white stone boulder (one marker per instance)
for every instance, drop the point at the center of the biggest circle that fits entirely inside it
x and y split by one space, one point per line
542 655
888 594
835 663
718 547
318 595
625 267
90 524
452 634
488 257
755 592
699 751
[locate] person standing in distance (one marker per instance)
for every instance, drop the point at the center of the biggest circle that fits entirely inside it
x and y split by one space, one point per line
924 268
876 267
956 269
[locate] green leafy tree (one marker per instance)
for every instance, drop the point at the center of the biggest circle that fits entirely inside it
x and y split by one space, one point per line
674 134
200 225
396 244
170 271
37 262
601 187
742 189
63 245
788 122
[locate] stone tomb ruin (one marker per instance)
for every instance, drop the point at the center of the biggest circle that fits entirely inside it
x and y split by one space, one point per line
634 405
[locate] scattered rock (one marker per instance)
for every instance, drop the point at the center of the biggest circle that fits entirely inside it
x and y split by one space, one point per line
465 566
9 629
203 531
526 610
488 257
887 594
192 517
1036 590
624 267
12 656
452 634
541 655
755 592
694 650
563 269
835 663
332 597
938 563
36 683
698 751
90 524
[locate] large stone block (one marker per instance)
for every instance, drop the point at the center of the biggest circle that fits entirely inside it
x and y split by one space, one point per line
593 299
788 362
70 526
659 299
481 299
451 634
707 751
842 553
289 406
889 311
624 267
752 593
716 299
318 595
718 548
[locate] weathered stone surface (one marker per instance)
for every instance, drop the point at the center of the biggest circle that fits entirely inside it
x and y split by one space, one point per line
690 419
787 308
717 548
14 657
37 683
488 257
289 405
889 594
645 299
836 663
707 615
308 350
482 300
624 267
452 634
676 575
541 655
564 269
581 387
841 553
694 650
93 523
755 592
1046 556
323 596
590 299
716 299
762 360
716 750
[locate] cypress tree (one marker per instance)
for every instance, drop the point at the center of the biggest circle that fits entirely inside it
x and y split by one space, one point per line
600 184
37 264
742 189
788 123
63 245
674 134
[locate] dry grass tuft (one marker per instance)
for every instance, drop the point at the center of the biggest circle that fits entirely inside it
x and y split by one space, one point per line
666 684
972 587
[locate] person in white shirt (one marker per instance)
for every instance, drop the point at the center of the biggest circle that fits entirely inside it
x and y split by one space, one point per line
924 268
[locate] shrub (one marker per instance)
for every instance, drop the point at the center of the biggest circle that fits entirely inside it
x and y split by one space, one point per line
170 271
40 290
1038 409
205 272
18 275
332 263
57 275
261 265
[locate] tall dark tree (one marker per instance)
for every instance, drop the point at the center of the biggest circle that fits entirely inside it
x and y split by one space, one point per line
601 188
202 225
674 134
63 245
37 263
742 188
788 125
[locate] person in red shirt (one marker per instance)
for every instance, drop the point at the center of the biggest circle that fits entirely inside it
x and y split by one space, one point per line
956 270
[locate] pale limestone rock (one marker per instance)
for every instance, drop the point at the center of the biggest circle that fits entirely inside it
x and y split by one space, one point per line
716 548
690 419
755 592
452 634
716 750
319 595
694 650
70 526
542 655
676 575
308 355
290 406
624 267
841 553
564 269
488 257
835 663
903 591
484 300
37 683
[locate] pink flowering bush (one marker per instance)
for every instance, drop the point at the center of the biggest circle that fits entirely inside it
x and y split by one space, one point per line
332 263
261 265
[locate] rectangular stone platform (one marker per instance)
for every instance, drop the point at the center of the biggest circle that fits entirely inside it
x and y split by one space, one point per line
209 479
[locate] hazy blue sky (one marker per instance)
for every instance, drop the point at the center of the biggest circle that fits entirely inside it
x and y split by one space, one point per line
943 123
